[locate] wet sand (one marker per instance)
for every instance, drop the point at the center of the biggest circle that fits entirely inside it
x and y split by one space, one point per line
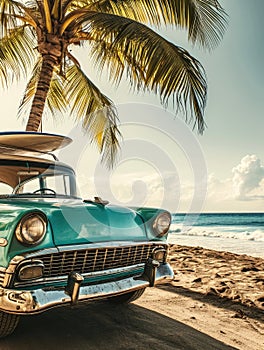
215 302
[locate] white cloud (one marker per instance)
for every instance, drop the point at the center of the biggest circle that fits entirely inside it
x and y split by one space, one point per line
245 184
248 179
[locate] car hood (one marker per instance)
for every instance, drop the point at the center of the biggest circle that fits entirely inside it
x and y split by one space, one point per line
76 222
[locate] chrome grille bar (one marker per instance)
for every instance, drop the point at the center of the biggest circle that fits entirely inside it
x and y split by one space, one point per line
92 260
2 277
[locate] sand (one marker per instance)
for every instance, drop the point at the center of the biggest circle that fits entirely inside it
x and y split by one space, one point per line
220 294
216 301
227 275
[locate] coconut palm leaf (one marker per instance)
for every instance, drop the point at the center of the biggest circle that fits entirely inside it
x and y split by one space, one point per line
17 54
204 20
151 63
57 103
96 112
8 16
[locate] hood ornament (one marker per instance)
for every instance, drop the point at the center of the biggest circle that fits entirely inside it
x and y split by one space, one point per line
97 200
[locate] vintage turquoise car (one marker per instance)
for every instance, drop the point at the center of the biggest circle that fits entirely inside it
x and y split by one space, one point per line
58 249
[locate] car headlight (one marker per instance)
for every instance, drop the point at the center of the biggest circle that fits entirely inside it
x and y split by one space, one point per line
161 224
31 229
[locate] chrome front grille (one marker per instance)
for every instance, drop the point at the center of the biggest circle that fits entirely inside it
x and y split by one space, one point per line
92 260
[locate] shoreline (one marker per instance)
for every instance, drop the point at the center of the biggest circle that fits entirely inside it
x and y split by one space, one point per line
232 245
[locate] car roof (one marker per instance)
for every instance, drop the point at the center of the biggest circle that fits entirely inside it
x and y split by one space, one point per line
18 151
15 169
34 143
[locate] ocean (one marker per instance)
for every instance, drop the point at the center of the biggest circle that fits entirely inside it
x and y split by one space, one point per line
241 233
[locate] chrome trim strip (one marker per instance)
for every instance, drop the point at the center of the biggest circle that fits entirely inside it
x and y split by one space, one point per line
86 246
2 278
38 300
107 245
64 278
9 273
2 275
40 252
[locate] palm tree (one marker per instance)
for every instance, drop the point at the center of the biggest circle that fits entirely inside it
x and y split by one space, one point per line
36 39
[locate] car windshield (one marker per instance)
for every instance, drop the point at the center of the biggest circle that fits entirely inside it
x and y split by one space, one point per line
20 178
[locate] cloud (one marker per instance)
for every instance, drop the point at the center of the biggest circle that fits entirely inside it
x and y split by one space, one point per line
248 179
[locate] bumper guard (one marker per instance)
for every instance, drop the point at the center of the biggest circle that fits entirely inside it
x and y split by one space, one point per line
23 302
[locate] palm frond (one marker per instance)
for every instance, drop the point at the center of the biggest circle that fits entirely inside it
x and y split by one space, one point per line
70 5
47 12
95 111
150 62
8 11
17 54
56 9
205 20
57 103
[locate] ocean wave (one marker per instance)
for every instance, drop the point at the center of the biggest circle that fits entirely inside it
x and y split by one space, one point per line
236 233
224 219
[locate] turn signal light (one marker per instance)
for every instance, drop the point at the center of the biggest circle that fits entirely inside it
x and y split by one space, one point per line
30 272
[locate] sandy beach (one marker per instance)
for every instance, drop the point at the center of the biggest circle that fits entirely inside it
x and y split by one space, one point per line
219 294
216 301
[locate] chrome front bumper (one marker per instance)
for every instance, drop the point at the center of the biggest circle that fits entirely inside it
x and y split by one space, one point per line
38 300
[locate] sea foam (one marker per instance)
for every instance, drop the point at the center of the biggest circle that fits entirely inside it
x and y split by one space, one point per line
239 233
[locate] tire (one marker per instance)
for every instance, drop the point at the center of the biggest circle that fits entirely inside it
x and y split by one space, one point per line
8 323
127 297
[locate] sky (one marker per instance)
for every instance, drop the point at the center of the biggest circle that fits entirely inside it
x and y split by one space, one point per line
163 162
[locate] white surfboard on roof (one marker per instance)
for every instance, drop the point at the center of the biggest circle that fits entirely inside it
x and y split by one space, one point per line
24 142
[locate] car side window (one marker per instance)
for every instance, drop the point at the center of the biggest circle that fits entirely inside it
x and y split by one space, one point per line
30 186
5 189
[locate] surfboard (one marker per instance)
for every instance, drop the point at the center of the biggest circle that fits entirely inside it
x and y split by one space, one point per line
24 142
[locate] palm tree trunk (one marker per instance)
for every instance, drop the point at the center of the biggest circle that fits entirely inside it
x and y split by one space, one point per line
38 103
